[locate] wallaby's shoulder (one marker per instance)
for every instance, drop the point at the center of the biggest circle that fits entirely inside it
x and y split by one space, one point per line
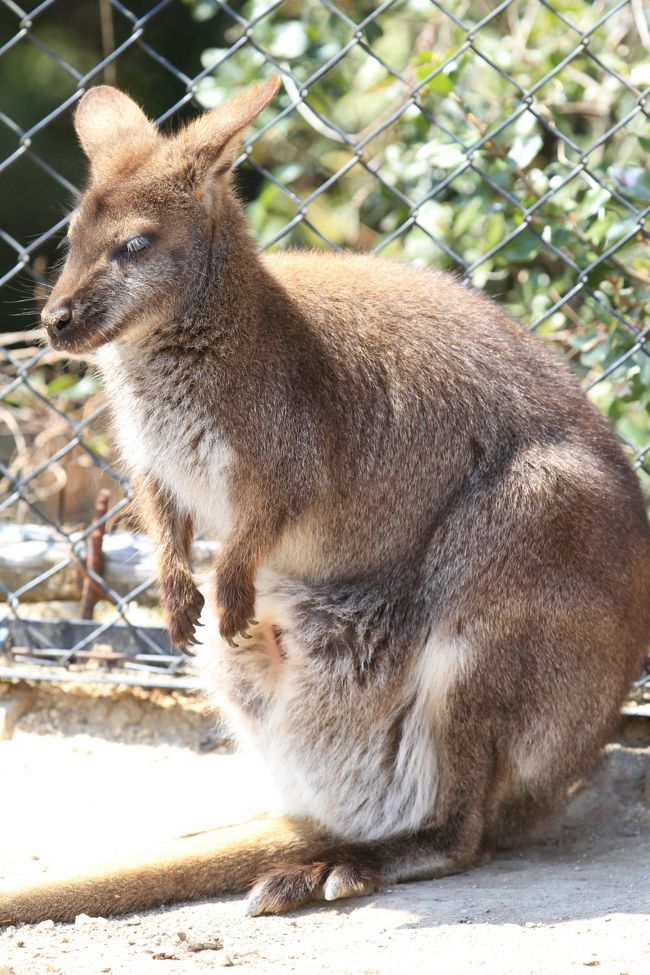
362 278
362 287
424 312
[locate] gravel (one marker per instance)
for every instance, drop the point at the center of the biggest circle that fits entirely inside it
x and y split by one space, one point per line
88 776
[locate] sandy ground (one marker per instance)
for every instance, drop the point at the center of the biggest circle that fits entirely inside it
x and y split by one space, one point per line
88 777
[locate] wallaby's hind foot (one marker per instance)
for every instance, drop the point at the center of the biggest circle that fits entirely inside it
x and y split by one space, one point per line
356 870
290 887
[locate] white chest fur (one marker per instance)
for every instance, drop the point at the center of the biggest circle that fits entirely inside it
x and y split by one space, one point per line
170 440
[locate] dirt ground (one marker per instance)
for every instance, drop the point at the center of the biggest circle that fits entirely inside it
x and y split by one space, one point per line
88 777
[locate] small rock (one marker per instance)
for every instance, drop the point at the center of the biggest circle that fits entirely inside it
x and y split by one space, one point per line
49 923
83 919
11 708
195 945
125 713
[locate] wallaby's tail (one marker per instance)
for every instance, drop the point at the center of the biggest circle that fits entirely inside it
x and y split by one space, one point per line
220 861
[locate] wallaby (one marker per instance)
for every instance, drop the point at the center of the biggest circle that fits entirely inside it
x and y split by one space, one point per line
432 591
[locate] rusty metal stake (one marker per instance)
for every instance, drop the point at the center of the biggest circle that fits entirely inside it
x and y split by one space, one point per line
91 592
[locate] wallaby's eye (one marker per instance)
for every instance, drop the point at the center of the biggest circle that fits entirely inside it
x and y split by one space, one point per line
135 245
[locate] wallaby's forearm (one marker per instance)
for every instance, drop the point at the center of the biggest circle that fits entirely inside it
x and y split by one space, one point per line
169 528
258 525
171 531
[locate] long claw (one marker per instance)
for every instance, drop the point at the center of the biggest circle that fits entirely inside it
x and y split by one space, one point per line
254 905
253 622
231 642
246 636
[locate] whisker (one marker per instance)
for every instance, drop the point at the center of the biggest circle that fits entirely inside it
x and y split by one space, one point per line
20 286
66 210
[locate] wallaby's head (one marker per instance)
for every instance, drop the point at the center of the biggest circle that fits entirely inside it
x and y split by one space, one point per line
140 238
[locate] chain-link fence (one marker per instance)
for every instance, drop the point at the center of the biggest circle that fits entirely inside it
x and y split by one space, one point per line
506 140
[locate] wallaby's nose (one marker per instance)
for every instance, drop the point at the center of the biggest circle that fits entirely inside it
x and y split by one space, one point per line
57 316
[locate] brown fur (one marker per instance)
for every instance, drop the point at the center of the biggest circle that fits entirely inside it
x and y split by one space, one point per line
225 860
446 549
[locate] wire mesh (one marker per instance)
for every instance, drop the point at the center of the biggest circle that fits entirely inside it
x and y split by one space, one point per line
428 131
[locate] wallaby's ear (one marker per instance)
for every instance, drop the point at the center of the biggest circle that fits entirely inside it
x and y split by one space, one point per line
107 122
209 145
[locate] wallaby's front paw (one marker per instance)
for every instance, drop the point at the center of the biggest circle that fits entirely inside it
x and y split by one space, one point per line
183 604
236 624
236 609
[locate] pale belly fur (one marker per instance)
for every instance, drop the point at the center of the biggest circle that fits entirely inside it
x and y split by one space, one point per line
358 757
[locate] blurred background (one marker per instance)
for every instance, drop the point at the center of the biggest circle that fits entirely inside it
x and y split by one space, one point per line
508 142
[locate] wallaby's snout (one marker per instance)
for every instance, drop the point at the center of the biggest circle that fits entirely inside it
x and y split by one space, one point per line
76 315
57 317
69 325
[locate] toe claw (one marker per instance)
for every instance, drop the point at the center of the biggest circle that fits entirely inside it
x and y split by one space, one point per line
246 636
231 642
344 882
253 905
253 622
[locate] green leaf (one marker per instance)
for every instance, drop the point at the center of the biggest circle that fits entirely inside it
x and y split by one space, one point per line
468 213
524 247
620 228
494 230
524 149
441 84
632 181
61 382
82 390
